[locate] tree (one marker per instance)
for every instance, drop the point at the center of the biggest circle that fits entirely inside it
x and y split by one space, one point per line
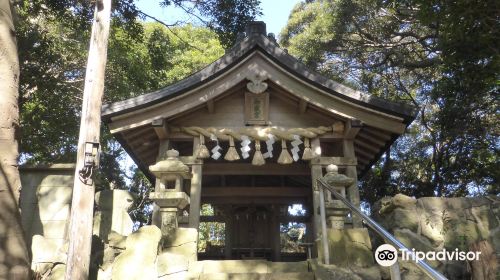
14 263
226 17
440 56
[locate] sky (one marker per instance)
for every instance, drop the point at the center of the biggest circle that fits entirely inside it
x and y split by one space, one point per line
275 13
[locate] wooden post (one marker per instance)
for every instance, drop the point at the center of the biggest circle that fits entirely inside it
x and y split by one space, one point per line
316 173
80 231
352 191
228 238
324 237
195 193
275 233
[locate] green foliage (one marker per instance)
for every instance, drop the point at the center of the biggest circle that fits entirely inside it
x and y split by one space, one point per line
53 38
53 70
211 235
226 17
441 56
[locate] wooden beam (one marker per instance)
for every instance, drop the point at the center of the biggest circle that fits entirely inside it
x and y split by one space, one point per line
352 128
340 161
276 191
130 135
302 106
82 209
362 161
161 128
255 200
210 106
316 97
367 139
142 142
249 169
377 133
331 135
360 152
367 146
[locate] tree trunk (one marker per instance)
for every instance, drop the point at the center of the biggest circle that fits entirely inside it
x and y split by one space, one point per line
14 260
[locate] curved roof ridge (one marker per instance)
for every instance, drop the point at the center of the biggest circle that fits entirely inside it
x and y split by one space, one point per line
271 49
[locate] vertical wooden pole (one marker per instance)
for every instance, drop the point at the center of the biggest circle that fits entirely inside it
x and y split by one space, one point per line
228 238
324 237
195 193
80 232
275 233
316 173
352 191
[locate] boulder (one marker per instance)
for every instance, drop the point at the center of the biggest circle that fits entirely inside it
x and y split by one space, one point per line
169 263
112 214
434 223
117 240
182 241
57 272
137 262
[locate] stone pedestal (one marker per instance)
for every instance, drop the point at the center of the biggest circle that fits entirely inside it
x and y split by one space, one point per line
336 213
169 202
350 247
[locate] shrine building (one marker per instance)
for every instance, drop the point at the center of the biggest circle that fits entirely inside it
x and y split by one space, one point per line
249 135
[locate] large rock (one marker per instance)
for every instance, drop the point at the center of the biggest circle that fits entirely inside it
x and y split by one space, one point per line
46 253
138 260
168 263
57 272
117 240
112 213
182 241
433 224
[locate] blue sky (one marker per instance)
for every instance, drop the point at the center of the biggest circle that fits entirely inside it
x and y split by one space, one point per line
275 12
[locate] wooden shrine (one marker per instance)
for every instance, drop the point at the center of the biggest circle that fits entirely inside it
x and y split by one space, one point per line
256 128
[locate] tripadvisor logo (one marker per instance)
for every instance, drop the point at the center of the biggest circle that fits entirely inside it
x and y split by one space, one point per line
387 255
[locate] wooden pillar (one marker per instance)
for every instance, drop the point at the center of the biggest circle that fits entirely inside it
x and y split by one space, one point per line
275 234
316 173
195 193
228 238
352 191
82 209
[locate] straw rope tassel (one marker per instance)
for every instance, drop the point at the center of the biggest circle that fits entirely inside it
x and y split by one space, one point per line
258 158
308 153
231 154
203 151
285 157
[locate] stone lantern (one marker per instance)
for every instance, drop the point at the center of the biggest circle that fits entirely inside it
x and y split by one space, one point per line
170 197
335 210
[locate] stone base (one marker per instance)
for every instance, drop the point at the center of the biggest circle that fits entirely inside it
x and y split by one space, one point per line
349 247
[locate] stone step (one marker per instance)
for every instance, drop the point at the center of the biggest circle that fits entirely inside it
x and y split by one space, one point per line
247 266
258 276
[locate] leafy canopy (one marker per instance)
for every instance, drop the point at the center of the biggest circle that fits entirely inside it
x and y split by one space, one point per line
443 57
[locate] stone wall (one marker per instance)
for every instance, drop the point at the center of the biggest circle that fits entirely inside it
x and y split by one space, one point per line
45 211
45 201
434 224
